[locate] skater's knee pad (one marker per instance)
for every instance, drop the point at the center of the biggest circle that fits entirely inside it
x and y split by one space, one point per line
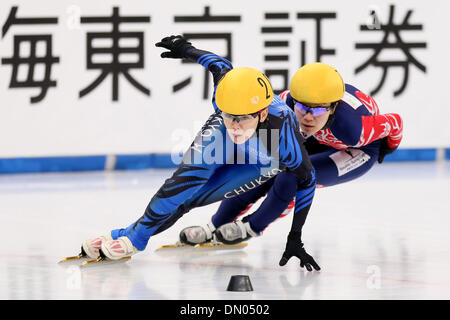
285 186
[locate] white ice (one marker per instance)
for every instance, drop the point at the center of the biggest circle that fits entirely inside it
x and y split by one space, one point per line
383 236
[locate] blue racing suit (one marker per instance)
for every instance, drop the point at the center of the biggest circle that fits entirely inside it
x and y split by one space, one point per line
214 168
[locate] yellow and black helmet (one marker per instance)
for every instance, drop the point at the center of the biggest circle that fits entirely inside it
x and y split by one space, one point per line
243 91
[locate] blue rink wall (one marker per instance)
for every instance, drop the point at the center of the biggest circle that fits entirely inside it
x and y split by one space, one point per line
153 161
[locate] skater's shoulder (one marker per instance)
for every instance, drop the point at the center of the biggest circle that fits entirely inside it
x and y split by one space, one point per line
280 113
279 108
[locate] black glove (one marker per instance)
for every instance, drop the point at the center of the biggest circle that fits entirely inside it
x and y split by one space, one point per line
176 44
384 150
294 247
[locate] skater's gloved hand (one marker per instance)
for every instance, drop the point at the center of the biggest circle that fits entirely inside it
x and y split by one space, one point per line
294 248
384 150
176 45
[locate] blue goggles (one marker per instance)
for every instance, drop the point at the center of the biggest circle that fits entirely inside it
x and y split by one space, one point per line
315 111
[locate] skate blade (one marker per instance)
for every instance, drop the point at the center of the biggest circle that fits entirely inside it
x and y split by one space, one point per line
73 258
177 245
101 260
215 245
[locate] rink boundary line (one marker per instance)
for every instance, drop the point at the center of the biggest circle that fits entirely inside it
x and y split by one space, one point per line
160 161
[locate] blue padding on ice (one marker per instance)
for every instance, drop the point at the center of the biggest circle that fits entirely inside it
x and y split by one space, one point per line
155 161
146 161
412 155
52 164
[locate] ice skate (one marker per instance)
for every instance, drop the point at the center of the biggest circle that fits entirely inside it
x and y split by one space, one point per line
114 251
198 237
191 236
211 244
197 234
217 245
235 232
89 249
176 245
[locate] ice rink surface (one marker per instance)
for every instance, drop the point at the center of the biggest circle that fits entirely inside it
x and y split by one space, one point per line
383 236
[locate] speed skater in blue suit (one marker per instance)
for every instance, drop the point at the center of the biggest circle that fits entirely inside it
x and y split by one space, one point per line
251 137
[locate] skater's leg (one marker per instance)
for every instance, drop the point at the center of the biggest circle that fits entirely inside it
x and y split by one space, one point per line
338 166
167 205
164 207
278 198
231 208
226 181
282 190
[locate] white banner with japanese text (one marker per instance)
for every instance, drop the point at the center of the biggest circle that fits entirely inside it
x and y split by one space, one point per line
85 78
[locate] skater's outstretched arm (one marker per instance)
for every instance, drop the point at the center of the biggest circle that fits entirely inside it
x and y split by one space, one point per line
180 48
293 155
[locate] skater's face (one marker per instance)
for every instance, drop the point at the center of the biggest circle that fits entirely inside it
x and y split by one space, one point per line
312 116
241 128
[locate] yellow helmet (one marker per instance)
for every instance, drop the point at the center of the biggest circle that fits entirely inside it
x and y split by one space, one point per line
317 83
243 91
